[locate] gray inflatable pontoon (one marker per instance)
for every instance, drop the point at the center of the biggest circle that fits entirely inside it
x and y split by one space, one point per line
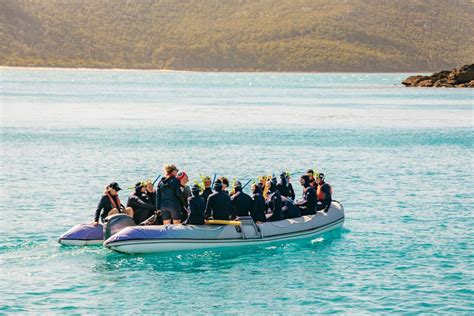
149 239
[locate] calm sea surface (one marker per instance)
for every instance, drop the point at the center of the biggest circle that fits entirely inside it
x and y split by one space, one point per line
400 160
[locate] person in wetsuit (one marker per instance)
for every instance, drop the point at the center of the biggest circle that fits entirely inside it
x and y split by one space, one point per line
169 197
241 202
196 207
185 191
284 186
207 188
307 205
323 193
312 179
289 209
138 202
225 184
110 204
259 208
218 204
274 202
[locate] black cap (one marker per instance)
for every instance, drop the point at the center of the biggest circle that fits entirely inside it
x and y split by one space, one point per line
238 184
218 183
115 186
195 188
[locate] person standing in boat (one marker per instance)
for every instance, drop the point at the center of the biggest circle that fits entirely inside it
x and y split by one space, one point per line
274 202
241 202
324 193
284 186
307 206
110 204
169 197
196 207
138 202
207 188
218 204
259 208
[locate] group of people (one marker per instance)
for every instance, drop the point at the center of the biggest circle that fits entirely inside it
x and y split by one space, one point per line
174 202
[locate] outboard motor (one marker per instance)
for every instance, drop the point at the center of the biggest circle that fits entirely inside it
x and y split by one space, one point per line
115 223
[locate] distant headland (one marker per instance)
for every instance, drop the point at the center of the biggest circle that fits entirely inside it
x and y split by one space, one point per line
462 77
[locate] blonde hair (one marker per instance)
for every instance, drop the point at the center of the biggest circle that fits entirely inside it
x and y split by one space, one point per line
169 168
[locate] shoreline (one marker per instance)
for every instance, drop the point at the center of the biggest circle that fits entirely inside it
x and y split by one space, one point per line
205 71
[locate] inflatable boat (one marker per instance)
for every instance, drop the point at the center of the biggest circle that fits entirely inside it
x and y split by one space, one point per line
149 239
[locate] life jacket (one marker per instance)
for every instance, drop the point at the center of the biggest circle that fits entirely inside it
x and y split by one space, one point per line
112 201
319 192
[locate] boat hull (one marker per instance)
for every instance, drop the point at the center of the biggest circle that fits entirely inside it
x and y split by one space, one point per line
181 238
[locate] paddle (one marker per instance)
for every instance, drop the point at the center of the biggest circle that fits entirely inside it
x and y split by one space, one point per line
213 180
159 176
246 184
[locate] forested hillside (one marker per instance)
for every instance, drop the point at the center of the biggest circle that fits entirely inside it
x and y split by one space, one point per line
239 35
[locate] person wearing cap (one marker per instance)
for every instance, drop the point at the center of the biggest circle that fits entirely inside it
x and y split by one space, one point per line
284 186
241 202
196 207
274 202
323 193
169 197
312 180
259 208
307 205
110 204
139 203
218 204
207 188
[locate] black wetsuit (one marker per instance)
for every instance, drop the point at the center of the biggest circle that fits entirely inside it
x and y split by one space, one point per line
105 206
324 196
289 209
141 208
274 203
170 199
196 209
308 205
241 204
205 194
285 188
218 205
259 208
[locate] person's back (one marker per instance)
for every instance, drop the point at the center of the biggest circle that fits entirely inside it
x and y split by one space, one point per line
289 209
218 204
241 202
169 197
259 207
196 208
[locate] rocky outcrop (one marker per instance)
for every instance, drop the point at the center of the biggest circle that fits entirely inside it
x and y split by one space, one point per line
462 77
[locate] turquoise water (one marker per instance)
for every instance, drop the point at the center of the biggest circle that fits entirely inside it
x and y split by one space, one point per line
399 159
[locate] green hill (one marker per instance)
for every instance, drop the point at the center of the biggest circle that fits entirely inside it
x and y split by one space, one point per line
238 35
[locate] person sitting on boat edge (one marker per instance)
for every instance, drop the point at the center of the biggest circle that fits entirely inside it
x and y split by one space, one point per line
284 186
169 197
307 205
196 207
183 178
274 202
218 204
138 202
110 204
241 202
259 208
207 188
324 193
